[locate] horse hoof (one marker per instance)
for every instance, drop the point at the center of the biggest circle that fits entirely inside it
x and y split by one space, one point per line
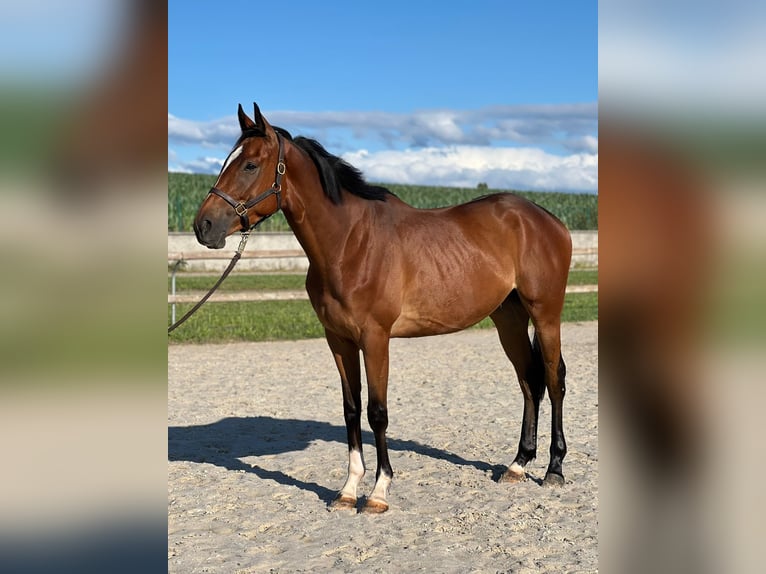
343 502
512 476
375 506
553 480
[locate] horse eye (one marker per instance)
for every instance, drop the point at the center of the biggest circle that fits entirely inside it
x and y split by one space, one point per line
250 166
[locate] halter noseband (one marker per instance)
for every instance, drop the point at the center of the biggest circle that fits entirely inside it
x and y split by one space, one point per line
240 208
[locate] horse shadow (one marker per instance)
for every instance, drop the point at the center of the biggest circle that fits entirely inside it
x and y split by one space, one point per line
224 442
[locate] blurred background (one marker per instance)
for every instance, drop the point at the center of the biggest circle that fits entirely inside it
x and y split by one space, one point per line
682 129
83 183
83 92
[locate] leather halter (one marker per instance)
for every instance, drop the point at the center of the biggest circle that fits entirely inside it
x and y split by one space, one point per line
240 207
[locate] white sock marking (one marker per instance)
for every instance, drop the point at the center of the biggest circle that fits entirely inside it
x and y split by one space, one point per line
355 473
380 492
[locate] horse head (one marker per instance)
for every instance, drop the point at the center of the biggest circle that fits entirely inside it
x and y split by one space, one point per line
248 188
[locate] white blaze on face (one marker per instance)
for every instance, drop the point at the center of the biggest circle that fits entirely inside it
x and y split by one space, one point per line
232 156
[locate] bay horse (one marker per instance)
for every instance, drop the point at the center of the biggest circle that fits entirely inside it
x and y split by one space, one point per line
379 268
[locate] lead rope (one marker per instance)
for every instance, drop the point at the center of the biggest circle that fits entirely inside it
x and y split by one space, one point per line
232 263
276 189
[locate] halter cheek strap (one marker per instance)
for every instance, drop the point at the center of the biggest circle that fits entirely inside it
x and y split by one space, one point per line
240 208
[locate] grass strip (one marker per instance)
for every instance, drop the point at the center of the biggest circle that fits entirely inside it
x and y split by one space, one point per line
293 320
278 282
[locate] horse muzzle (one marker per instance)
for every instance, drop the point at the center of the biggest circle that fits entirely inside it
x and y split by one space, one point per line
210 235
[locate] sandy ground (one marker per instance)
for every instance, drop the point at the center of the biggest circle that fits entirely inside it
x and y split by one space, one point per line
257 450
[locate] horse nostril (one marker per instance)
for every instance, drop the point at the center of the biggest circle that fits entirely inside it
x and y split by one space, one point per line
201 228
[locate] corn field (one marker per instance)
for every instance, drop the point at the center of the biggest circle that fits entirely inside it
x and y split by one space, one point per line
576 210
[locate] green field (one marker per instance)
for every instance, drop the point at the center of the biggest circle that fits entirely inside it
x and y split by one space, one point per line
576 210
277 282
242 282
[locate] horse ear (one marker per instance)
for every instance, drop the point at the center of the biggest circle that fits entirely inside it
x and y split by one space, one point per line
245 123
260 123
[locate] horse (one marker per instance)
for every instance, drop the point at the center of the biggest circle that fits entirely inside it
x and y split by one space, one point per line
380 268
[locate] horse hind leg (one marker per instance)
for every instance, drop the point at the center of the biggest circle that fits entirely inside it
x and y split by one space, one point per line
548 331
512 321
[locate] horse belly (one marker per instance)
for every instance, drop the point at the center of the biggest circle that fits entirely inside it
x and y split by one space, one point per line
446 312
452 284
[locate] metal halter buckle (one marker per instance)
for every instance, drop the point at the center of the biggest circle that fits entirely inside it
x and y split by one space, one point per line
241 206
243 241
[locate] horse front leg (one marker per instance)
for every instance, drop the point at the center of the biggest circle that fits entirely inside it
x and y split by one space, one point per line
375 351
346 355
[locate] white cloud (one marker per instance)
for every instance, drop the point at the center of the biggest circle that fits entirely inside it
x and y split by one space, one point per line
466 166
199 165
461 166
529 124
587 144
554 124
436 147
220 133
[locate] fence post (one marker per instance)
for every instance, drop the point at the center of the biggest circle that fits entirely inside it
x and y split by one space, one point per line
176 265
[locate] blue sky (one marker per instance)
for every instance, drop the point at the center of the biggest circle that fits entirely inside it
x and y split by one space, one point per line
443 93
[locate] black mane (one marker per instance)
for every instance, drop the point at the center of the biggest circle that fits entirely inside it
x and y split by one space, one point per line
334 173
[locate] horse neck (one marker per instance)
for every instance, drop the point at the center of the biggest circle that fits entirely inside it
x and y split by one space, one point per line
321 227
